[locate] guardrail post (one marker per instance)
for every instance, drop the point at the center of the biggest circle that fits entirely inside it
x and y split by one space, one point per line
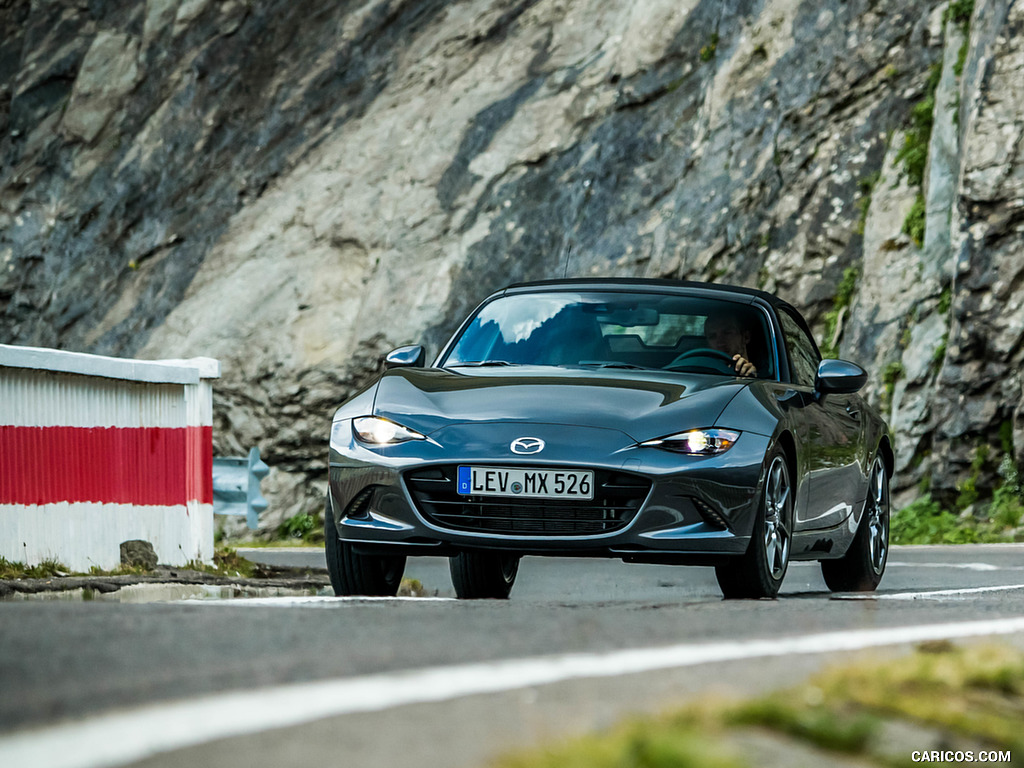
236 487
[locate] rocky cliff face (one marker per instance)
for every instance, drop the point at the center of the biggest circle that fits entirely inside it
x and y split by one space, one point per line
295 188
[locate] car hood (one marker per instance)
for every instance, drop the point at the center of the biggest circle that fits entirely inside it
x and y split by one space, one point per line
640 404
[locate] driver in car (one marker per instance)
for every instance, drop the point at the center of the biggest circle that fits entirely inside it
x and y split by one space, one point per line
723 332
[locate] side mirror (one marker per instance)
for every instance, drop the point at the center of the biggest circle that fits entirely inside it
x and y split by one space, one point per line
840 377
413 356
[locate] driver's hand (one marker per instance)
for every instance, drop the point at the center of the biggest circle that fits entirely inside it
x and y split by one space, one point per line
744 367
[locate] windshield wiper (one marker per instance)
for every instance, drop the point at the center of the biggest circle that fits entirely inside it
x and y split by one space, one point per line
481 363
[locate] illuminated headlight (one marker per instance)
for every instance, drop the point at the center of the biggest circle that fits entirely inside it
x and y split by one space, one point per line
697 442
379 431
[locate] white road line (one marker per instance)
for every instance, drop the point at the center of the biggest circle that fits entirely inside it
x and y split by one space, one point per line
935 594
318 601
957 566
122 737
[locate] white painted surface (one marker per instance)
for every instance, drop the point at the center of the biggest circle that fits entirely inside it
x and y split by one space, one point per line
152 371
84 535
118 738
31 398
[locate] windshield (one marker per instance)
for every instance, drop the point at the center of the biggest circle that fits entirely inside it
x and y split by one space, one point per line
616 330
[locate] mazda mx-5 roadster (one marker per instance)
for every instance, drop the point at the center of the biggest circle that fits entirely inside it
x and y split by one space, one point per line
648 420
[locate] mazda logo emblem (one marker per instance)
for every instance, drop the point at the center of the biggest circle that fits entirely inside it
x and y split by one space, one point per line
527 445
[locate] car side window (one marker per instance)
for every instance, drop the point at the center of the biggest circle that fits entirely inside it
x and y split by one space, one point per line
803 356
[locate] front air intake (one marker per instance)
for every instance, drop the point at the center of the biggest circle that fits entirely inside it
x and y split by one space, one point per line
617 497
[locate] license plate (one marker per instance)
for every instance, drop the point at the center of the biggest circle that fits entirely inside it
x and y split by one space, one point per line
526 483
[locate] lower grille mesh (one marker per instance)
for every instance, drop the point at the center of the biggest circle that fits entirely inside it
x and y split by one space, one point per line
617 497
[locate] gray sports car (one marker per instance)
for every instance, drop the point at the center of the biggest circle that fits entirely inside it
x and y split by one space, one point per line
648 420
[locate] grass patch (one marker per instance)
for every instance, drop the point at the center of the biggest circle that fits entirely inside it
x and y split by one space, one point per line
304 528
12 569
837 732
226 562
946 694
297 527
667 742
925 521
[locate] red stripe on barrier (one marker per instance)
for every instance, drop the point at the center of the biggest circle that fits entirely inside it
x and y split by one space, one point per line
146 466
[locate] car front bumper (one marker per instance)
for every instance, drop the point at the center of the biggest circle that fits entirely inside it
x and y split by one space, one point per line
691 509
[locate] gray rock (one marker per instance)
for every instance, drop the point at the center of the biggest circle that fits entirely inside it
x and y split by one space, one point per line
137 553
108 74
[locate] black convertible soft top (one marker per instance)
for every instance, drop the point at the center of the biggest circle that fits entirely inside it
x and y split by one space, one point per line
612 283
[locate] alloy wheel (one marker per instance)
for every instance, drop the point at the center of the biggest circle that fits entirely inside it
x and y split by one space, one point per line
776 516
878 517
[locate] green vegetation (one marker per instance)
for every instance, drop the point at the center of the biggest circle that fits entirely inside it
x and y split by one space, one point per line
940 353
307 528
914 153
968 488
821 727
944 693
45 570
914 223
1007 508
924 521
945 300
844 296
707 53
892 373
867 188
959 12
297 526
226 562
973 518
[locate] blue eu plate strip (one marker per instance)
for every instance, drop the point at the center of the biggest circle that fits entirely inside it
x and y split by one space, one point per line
464 480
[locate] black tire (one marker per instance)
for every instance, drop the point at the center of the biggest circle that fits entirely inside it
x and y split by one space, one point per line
483 575
356 574
759 572
862 567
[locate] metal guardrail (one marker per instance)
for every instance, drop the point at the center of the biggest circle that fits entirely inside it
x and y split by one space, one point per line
236 487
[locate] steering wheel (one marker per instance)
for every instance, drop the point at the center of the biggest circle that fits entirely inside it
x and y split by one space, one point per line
704 360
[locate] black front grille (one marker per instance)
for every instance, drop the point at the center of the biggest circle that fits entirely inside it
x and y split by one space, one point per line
617 497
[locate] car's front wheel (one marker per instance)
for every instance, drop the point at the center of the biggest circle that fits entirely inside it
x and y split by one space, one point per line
861 568
760 570
353 573
482 575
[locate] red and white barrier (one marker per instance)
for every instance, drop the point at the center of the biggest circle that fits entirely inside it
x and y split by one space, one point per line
96 450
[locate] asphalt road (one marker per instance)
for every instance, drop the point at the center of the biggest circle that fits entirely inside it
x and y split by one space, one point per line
439 682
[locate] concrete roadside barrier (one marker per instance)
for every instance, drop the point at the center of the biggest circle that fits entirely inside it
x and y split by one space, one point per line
96 451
